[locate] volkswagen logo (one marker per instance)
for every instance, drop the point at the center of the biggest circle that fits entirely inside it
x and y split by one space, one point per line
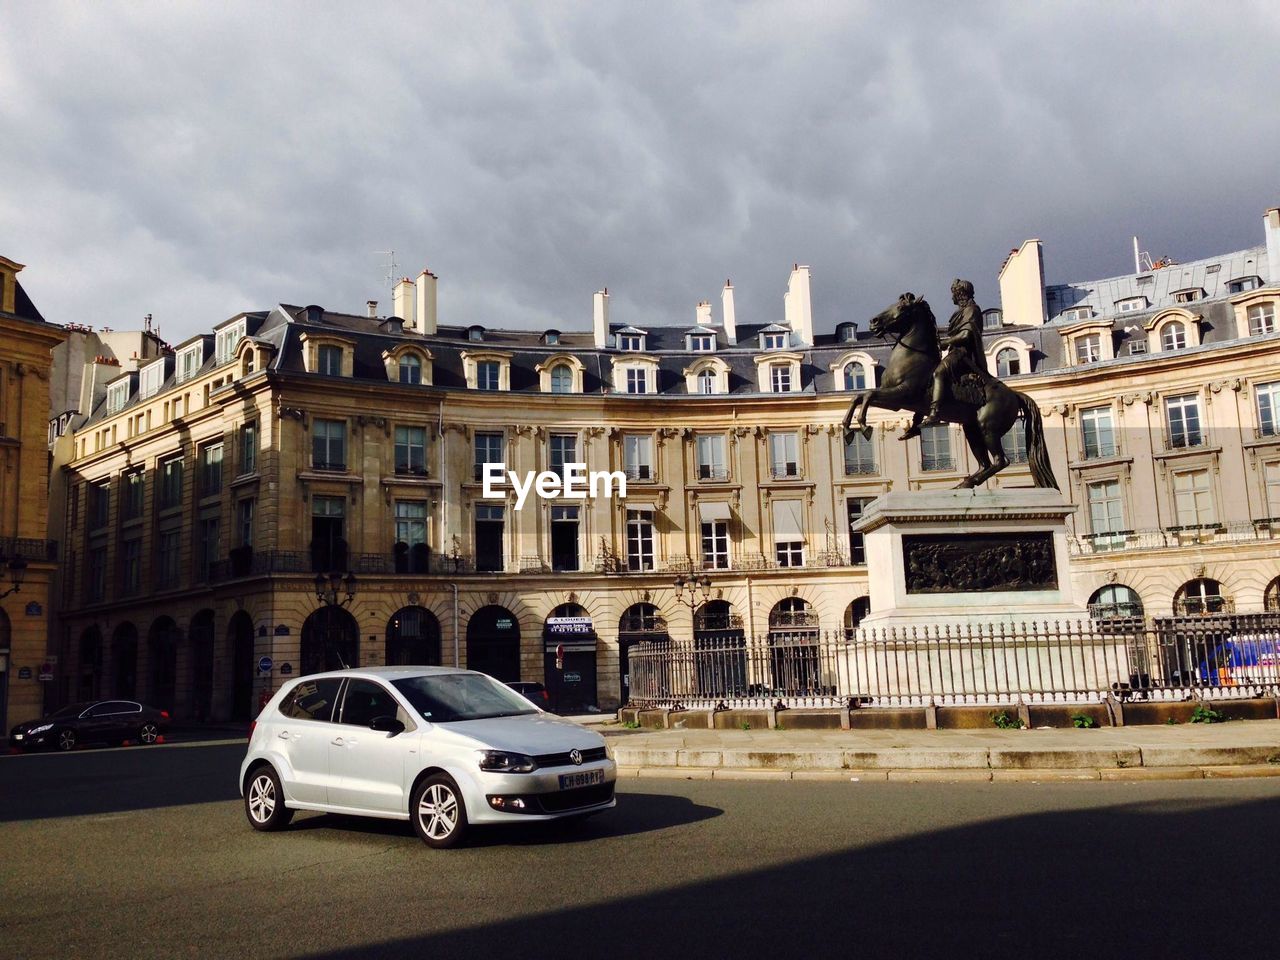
575 757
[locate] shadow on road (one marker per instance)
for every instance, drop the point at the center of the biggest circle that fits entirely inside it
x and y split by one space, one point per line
636 813
1152 880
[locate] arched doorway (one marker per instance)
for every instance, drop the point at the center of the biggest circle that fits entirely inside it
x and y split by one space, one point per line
1271 597
639 623
1200 596
793 648
1115 601
719 650
124 661
573 688
89 678
330 641
493 643
854 614
200 635
162 663
240 633
413 637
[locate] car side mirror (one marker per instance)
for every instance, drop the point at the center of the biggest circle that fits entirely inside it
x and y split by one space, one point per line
386 725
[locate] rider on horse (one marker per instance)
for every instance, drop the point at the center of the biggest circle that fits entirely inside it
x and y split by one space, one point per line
965 359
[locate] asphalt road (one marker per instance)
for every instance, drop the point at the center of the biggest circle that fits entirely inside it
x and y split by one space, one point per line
145 853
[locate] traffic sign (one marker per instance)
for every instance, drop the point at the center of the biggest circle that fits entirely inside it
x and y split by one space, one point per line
264 665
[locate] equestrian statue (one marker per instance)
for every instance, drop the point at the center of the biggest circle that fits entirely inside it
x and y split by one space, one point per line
955 388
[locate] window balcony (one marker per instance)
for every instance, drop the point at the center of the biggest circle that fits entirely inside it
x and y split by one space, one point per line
937 463
334 465
712 474
859 468
785 471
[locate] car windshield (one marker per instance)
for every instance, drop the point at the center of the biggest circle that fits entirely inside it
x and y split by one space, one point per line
448 697
71 710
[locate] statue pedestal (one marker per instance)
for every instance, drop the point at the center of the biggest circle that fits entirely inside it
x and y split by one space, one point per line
968 558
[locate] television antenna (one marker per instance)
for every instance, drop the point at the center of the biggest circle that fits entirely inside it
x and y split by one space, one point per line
390 269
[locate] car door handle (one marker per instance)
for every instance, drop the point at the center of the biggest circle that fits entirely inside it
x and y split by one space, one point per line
337 741
284 734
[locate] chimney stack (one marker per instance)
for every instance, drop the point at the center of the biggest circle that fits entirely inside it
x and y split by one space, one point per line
797 310
373 309
1022 294
726 307
600 318
1271 220
703 314
426 322
402 301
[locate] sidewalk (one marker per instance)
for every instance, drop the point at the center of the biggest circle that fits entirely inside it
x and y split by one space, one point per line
1186 751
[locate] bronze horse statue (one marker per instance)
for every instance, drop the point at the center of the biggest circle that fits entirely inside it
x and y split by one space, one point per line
906 386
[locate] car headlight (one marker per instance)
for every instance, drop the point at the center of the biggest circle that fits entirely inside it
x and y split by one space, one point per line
500 761
40 729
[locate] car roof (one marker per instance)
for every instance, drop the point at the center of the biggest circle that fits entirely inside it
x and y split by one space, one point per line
387 673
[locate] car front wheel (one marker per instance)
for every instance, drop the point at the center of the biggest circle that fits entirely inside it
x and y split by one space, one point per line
149 733
264 801
66 739
438 813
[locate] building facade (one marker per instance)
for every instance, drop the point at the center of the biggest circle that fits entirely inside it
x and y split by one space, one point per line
302 488
28 558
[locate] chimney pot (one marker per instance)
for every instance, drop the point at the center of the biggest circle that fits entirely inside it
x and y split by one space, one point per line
373 308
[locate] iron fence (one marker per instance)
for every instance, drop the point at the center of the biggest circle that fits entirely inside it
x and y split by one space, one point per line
1077 661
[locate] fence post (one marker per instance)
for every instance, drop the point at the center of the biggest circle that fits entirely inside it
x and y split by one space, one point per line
1115 710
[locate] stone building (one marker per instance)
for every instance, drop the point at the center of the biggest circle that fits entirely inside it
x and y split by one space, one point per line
301 487
28 558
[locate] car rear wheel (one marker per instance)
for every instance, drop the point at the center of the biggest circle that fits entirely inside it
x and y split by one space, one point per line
264 801
438 812
66 740
148 733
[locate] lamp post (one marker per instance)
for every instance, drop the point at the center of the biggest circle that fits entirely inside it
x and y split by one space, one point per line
329 587
17 571
693 590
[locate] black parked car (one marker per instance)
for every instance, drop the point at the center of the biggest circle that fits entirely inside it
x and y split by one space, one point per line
534 692
100 721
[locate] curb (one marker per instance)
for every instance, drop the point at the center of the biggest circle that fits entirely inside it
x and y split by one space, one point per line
959 775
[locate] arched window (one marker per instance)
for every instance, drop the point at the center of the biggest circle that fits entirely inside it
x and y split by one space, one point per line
1200 596
561 378
1173 336
855 376
1008 363
854 613
1115 600
410 368
1271 597
791 612
707 381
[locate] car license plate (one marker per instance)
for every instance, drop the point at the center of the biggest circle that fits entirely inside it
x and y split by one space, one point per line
587 778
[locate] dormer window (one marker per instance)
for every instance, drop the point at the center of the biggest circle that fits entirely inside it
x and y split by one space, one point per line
707 382
702 342
225 341
846 332
1244 284
637 380
780 378
1189 295
1089 348
150 379
1131 304
329 360
551 338
117 396
992 319
410 368
631 342
1008 363
475 333
1173 336
1262 319
1077 313
487 370
855 376
190 359
561 378
773 341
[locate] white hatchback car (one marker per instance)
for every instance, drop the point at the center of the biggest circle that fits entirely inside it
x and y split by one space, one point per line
441 747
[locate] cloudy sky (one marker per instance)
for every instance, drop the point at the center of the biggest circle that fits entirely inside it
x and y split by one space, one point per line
192 161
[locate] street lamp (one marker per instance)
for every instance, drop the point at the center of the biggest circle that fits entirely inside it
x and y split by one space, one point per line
17 571
328 588
693 590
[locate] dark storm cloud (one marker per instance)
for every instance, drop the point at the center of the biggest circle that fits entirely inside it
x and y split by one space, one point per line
194 161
